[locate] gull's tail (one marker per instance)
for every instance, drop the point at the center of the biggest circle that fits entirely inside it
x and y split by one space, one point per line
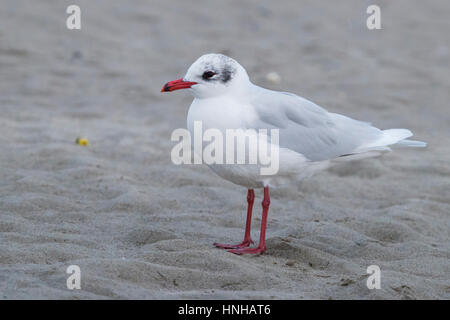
398 137
391 137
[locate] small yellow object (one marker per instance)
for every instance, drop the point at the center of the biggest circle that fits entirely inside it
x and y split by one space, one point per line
82 141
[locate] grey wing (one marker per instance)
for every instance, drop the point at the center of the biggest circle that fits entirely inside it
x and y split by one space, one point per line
307 128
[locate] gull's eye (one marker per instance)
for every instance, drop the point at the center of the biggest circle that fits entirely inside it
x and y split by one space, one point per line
208 74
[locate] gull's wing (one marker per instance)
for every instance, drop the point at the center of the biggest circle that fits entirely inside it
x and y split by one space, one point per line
310 130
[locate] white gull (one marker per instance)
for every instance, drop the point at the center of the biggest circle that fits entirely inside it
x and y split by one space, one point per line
310 138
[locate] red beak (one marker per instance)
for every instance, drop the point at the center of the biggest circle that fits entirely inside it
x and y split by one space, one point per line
177 84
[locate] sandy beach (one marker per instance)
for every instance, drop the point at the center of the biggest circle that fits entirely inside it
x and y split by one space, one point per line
140 227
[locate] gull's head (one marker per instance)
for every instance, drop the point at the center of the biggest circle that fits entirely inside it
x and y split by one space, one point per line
211 75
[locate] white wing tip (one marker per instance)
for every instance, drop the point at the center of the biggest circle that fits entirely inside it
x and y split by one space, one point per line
398 138
395 137
412 143
397 134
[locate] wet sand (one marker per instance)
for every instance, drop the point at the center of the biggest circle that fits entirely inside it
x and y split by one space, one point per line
140 227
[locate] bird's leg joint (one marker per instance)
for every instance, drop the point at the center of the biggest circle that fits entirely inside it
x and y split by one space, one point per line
266 203
250 196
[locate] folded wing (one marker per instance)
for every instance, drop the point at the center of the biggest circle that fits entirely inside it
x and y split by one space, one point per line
317 134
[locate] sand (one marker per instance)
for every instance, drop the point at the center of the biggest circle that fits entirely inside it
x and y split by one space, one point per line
140 227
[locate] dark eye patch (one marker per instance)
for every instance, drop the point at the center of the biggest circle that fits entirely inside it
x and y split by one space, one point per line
208 74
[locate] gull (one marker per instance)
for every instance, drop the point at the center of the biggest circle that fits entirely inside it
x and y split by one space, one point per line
310 138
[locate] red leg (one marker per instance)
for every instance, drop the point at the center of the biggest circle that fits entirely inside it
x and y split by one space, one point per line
262 237
247 239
